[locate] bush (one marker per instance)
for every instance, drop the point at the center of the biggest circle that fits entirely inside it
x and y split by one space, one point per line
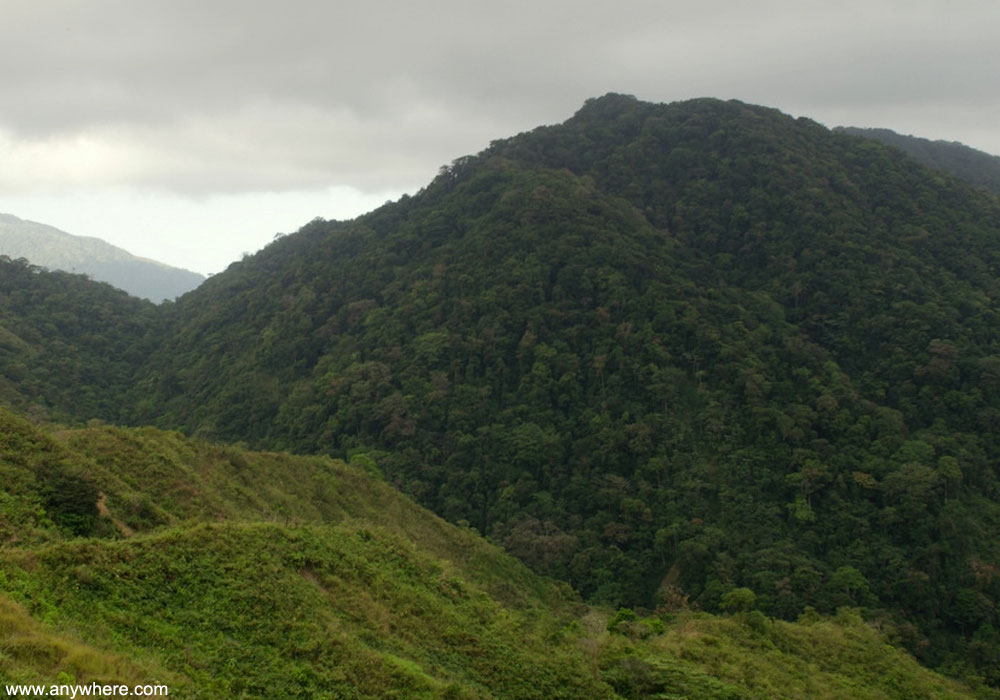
739 600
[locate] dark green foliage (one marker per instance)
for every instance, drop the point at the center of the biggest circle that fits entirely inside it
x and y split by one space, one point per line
624 615
694 347
70 499
981 169
44 487
69 347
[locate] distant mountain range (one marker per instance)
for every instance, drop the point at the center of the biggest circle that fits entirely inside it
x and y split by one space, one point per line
49 247
977 167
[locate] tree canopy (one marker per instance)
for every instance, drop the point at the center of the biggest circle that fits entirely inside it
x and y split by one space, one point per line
700 348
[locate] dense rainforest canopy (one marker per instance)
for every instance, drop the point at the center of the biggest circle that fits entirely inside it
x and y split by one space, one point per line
661 352
981 169
68 345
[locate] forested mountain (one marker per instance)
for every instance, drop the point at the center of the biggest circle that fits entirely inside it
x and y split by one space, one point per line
49 247
69 347
661 352
979 168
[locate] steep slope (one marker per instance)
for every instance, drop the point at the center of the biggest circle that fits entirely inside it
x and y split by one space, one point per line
979 168
69 347
215 571
700 345
51 248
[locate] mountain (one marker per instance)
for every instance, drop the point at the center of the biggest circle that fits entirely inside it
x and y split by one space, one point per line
49 247
700 351
979 168
69 346
140 557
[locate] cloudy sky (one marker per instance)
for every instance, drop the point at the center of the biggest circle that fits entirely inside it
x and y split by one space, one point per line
191 131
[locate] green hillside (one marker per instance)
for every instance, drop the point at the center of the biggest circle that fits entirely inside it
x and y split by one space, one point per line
224 572
701 345
656 351
137 556
979 168
69 347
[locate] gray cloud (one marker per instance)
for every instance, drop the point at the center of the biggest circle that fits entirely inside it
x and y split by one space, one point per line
227 96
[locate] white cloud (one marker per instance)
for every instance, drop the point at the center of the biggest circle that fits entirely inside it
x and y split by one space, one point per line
68 159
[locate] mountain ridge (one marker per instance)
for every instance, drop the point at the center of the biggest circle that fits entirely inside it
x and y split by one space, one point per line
52 248
978 167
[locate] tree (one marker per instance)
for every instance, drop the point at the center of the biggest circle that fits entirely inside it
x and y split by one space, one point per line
739 600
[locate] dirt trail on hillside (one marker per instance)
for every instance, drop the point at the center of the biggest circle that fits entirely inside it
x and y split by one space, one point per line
102 510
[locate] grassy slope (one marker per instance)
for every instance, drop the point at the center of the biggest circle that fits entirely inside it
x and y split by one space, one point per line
750 656
32 651
263 573
222 572
271 611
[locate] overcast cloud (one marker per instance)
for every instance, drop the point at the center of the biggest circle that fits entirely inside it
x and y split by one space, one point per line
191 131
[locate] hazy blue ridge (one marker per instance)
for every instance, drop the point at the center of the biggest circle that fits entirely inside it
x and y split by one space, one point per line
52 248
